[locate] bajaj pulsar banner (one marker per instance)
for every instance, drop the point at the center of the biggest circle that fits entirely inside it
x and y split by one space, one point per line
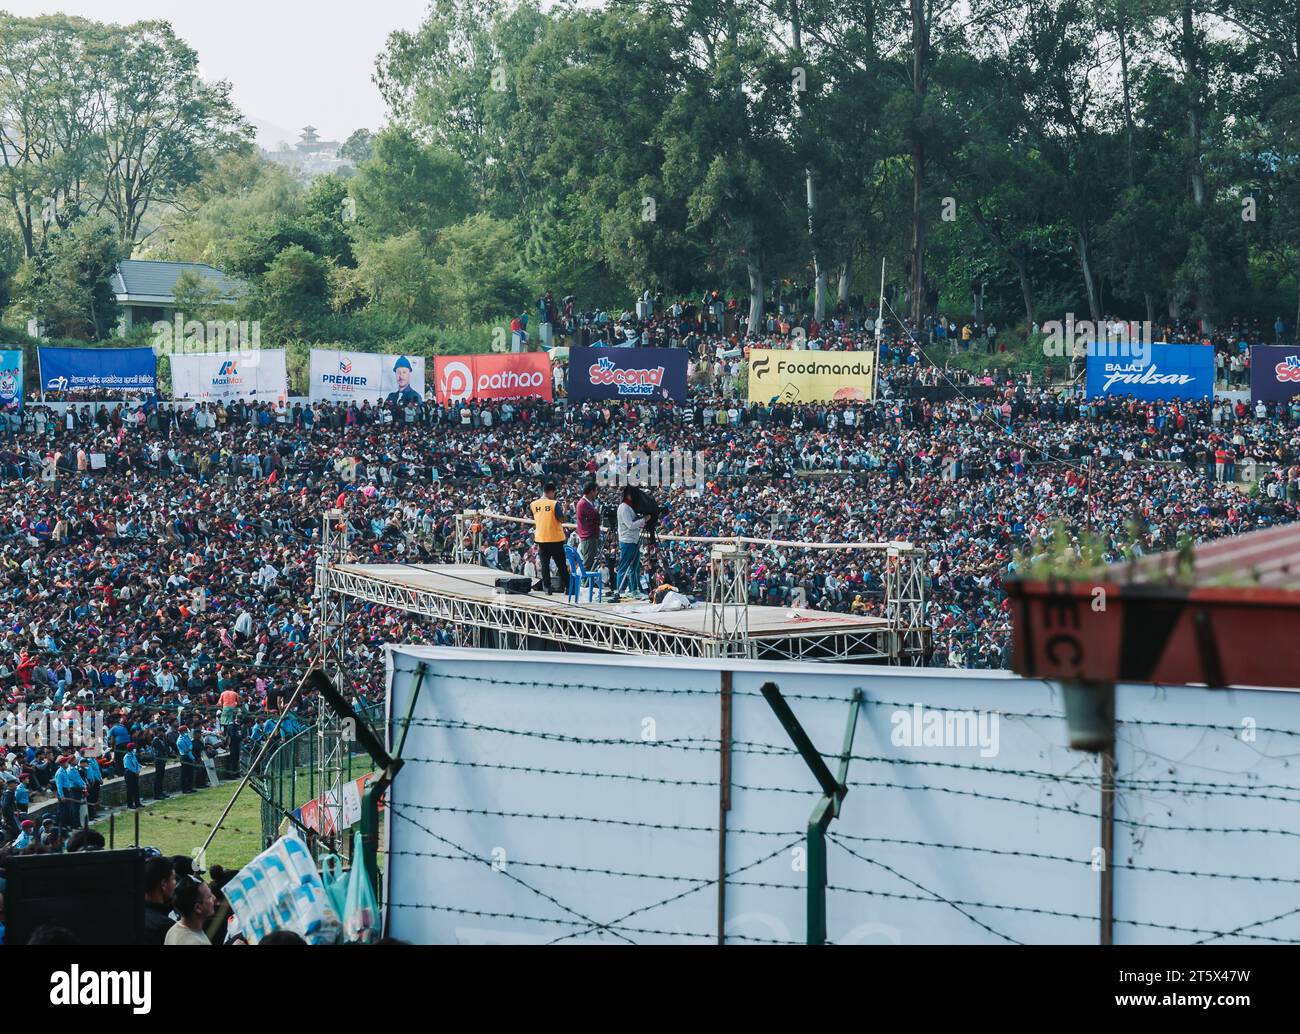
112 369
786 375
217 376
627 373
365 376
11 379
510 376
1154 372
1274 372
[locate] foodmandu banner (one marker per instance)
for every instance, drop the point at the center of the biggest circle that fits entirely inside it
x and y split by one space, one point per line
510 376
115 369
787 375
220 376
1164 372
365 377
627 373
1274 372
11 379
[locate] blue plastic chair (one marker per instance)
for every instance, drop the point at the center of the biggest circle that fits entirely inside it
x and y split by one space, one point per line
580 576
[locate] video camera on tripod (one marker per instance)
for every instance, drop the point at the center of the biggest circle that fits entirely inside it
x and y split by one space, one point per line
643 505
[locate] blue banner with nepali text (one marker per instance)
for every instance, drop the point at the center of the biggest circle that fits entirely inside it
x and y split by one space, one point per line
111 369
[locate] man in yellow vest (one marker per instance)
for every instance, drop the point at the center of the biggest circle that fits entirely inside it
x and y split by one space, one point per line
550 539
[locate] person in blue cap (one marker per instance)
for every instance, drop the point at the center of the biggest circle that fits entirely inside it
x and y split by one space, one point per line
131 767
405 393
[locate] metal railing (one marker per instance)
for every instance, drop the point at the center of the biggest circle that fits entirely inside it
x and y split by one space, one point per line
290 775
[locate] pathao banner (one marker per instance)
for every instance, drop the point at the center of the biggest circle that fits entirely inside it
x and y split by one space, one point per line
512 376
1274 372
627 373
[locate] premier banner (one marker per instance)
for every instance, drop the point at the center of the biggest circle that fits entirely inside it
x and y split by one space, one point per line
627 373
1274 372
11 380
508 376
787 375
220 376
114 369
365 377
1155 372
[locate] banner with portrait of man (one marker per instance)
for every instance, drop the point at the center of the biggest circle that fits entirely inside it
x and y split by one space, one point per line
338 376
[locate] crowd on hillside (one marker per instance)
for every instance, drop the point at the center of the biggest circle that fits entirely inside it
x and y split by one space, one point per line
718 322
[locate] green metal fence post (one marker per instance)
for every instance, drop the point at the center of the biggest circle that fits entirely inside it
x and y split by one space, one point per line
828 807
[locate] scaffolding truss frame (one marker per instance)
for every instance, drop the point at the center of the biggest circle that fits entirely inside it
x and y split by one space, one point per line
588 629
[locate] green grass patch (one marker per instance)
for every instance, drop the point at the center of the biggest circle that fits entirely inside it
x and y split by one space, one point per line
181 824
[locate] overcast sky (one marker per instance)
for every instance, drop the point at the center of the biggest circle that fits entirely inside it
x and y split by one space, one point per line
289 62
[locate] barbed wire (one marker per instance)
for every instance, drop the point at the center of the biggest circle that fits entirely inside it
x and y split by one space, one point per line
935 895
598 820
1051 912
396 811
514 916
868 699
692 890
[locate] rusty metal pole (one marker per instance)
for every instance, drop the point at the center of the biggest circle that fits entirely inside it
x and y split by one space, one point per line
1107 912
724 802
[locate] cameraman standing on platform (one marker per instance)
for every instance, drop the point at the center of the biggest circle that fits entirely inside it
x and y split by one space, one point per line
550 539
629 547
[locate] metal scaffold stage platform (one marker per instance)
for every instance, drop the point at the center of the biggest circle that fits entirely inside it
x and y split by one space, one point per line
465 595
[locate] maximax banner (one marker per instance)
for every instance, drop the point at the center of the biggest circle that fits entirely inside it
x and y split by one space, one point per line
786 375
627 373
115 369
11 379
365 377
1154 372
1274 372
514 376
216 376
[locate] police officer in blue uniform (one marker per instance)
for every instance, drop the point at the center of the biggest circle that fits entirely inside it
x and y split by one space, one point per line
185 749
71 790
131 769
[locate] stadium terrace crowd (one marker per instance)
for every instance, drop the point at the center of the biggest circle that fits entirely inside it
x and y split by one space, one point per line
157 559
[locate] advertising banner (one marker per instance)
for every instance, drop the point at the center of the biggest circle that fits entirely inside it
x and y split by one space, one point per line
627 373
1274 372
365 377
1165 372
112 369
786 375
11 379
221 376
510 376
